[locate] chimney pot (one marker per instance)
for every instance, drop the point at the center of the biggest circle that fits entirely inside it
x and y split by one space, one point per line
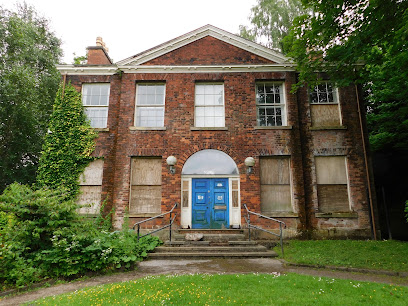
98 55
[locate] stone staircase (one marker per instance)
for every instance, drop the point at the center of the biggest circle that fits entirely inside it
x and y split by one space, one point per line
227 243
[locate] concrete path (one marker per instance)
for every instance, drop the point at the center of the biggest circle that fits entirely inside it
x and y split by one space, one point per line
155 267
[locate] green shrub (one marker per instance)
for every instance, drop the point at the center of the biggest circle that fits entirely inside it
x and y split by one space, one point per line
42 236
69 144
15 267
78 254
29 219
38 215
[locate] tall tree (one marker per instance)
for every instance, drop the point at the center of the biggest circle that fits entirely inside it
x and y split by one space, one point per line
29 80
271 21
363 42
68 145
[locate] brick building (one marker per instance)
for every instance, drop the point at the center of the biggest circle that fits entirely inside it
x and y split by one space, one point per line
207 101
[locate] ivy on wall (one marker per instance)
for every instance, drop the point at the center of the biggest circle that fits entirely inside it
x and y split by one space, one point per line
68 145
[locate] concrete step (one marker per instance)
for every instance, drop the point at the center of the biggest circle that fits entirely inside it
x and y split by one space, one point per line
242 242
186 243
215 237
201 242
210 249
185 255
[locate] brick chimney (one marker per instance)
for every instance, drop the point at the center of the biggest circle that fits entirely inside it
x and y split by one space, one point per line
98 55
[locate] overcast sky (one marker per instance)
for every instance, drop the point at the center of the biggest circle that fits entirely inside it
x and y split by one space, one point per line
129 27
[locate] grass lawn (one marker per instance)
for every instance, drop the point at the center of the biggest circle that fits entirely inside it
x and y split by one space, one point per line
247 289
382 255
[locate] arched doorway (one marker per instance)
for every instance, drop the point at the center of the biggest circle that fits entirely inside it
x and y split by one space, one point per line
210 191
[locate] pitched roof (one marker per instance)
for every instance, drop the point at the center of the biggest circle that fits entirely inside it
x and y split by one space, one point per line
207 30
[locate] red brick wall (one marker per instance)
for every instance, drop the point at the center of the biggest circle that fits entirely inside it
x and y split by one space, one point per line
208 51
239 141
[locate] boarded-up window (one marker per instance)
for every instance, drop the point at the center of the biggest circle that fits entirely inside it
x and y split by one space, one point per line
332 188
324 106
145 189
275 184
90 183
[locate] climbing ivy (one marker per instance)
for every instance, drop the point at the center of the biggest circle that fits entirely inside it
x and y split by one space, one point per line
68 145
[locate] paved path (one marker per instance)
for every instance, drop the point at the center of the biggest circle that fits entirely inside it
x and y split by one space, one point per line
154 267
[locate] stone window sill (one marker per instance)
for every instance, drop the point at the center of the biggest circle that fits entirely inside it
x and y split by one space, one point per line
286 127
147 215
142 128
194 128
101 129
320 128
350 214
281 214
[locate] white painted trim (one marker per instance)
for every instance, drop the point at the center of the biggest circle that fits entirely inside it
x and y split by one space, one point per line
210 175
87 70
234 212
186 213
73 70
204 106
283 105
138 107
336 90
96 106
200 33
209 69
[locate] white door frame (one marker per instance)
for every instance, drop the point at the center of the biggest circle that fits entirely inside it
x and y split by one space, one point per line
186 212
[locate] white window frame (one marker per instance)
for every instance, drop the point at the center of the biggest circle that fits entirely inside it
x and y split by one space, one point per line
325 92
275 105
186 211
200 107
103 104
139 107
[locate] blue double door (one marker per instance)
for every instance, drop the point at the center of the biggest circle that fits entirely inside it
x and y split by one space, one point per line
210 207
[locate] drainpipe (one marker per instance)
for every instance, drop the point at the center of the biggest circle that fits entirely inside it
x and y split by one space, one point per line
373 225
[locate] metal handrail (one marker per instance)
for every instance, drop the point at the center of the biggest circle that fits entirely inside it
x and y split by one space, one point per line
155 217
248 221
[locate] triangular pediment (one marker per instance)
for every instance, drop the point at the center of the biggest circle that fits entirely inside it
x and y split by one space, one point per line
242 51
